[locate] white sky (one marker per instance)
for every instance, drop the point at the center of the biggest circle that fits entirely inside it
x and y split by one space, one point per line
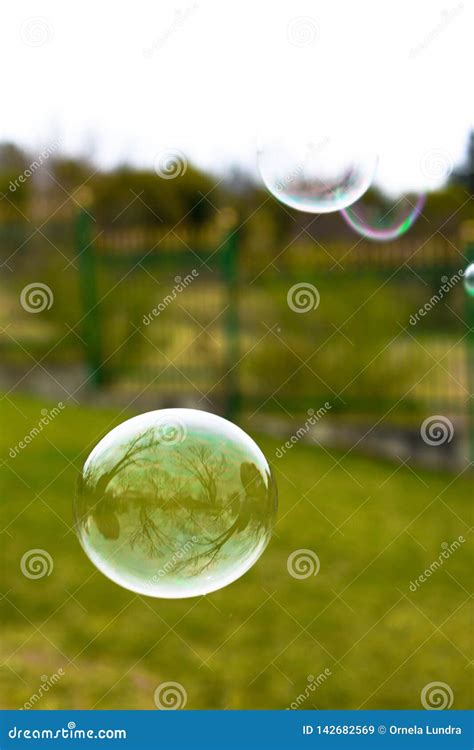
132 79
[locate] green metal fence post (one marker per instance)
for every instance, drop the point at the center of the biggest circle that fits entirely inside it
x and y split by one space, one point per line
469 314
229 258
89 298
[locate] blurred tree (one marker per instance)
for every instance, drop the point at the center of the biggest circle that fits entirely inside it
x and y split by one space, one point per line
126 196
15 186
130 197
12 158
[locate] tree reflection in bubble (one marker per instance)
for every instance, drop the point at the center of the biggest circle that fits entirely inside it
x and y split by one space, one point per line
175 503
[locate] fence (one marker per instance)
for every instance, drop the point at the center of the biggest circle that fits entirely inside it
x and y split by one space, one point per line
383 332
160 315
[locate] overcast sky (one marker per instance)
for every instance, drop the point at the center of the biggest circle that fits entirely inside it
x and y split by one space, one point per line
126 80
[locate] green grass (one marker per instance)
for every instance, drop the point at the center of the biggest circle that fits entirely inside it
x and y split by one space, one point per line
375 527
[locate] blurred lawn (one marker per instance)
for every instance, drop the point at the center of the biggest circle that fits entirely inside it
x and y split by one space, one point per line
375 527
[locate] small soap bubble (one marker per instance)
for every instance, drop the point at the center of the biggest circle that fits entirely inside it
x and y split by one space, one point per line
469 280
382 218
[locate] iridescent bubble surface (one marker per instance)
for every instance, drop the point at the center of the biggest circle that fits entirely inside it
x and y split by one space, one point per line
468 279
314 169
175 503
381 218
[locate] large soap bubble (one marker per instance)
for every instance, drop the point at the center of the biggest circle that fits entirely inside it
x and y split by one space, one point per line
175 503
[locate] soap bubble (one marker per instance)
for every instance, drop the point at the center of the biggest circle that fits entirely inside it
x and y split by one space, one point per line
408 169
382 218
314 168
175 503
469 279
